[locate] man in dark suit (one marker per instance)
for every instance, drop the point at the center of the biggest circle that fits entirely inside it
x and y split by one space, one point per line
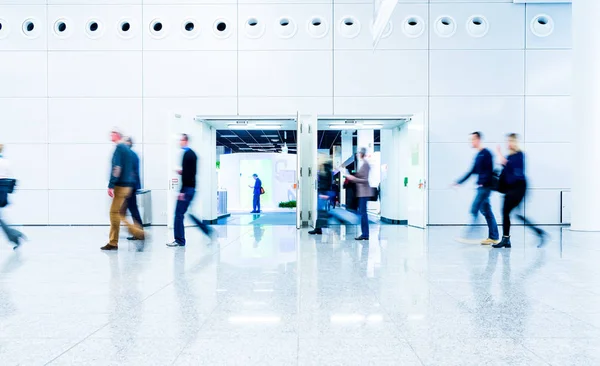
189 166
131 202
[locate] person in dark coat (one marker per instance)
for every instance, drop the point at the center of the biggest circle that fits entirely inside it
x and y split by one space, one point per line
324 181
131 201
513 183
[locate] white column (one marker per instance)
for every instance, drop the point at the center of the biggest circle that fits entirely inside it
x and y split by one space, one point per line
585 210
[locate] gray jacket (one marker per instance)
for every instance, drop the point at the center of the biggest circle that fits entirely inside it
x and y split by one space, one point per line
363 189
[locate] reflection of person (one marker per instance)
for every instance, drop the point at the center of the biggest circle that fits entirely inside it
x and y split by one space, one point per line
514 183
363 192
131 202
324 191
256 194
120 186
484 169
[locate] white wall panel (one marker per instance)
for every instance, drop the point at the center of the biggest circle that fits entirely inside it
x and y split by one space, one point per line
452 119
448 162
549 119
363 14
285 74
548 166
155 166
173 19
505 26
190 74
388 106
96 2
274 106
27 207
11 34
549 72
453 206
543 206
67 207
23 74
286 1
561 19
159 207
77 36
268 17
23 2
95 74
29 164
158 111
382 73
87 120
470 73
80 166
26 119
188 2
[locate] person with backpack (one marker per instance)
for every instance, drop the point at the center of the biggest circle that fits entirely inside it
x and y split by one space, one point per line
513 183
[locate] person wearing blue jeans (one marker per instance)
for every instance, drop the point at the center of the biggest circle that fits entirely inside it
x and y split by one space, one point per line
256 192
484 169
188 190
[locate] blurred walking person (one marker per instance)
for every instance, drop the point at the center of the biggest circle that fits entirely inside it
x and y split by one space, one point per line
325 193
131 202
483 167
363 192
513 183
120 187
189 166
7 185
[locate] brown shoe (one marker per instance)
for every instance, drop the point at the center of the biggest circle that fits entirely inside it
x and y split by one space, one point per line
109 247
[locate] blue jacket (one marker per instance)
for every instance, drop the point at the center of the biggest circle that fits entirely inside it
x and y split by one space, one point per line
514 170
257 186
483 167
136 170
122 167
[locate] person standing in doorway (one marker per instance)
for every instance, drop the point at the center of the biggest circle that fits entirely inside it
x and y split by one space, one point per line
363 192
120 187
131 202
189 167
257 191
484 169
514 184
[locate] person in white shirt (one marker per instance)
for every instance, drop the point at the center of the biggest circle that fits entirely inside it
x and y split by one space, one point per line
6 181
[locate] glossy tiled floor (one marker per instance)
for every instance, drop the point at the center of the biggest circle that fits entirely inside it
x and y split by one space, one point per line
275 296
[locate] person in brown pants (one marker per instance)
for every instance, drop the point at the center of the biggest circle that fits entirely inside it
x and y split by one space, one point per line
120 186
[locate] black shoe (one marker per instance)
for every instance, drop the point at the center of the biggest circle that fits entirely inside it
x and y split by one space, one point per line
361 238
133 238
109 247
505 243
316 232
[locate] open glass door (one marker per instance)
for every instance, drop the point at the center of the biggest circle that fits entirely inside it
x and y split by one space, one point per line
417 181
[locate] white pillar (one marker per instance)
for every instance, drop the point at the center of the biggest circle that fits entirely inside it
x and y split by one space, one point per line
585 210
